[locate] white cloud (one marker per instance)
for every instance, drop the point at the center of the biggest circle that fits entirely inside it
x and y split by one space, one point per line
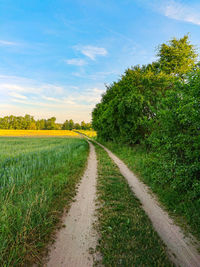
76 62
7 43
51 89
52 99
7 84
92 51
16 95
176 10
179 11
19 96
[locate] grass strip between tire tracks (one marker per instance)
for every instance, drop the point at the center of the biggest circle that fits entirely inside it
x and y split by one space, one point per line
127 237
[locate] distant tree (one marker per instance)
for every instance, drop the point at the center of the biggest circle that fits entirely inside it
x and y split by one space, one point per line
88 126
77 126
65 125
50 124
28 119
32 126
71 124
59 126
40 124
83 125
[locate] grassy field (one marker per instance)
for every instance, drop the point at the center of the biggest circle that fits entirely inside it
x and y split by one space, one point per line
38 177
127 237
38 133
153 172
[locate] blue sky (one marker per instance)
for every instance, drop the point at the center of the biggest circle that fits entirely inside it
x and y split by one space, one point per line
57 55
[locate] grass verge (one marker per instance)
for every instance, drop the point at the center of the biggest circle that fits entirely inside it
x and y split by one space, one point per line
153 170
127 237
38 180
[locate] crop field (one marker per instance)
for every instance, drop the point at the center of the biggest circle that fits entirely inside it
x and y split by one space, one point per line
38 177
89 133
38 133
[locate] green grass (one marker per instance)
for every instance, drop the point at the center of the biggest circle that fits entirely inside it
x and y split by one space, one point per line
38 179
154 171
127 237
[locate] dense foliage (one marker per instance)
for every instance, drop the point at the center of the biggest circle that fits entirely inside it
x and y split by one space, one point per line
158 107
176 135
130 106
29 123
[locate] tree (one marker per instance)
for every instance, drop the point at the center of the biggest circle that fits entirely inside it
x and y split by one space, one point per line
83 125
128 110
128 105
40 124
50 124
177 57
71 124
77 126
65 125
33 126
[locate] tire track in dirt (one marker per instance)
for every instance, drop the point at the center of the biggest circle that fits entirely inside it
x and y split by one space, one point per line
182 250
75 242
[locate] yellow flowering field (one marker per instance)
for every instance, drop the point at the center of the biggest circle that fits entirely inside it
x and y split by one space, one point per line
89 133
38 133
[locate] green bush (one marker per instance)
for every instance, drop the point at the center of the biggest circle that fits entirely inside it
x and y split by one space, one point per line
176 136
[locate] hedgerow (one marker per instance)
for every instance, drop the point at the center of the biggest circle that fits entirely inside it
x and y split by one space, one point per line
158 107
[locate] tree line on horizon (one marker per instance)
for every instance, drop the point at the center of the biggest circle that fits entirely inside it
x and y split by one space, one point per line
28 122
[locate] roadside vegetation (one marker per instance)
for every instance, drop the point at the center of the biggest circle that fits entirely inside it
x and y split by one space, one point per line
38 178
127 237
151 117
153 171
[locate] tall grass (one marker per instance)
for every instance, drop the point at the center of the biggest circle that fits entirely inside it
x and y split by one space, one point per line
36 181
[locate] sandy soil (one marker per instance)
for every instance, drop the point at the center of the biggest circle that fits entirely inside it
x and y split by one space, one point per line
75 242
182 250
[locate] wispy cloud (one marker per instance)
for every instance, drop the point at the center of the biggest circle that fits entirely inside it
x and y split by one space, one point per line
87 98
18 96
101 75
92 51
23 96
7 43
76 62
177 10
17 86
52 99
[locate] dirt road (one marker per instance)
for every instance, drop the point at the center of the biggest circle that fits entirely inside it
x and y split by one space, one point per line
75 241
181 249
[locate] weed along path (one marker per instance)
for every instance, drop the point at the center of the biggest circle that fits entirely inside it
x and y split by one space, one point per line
75 242
181 249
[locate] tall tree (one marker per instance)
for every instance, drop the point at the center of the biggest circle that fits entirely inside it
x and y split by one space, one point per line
177 57
128 110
